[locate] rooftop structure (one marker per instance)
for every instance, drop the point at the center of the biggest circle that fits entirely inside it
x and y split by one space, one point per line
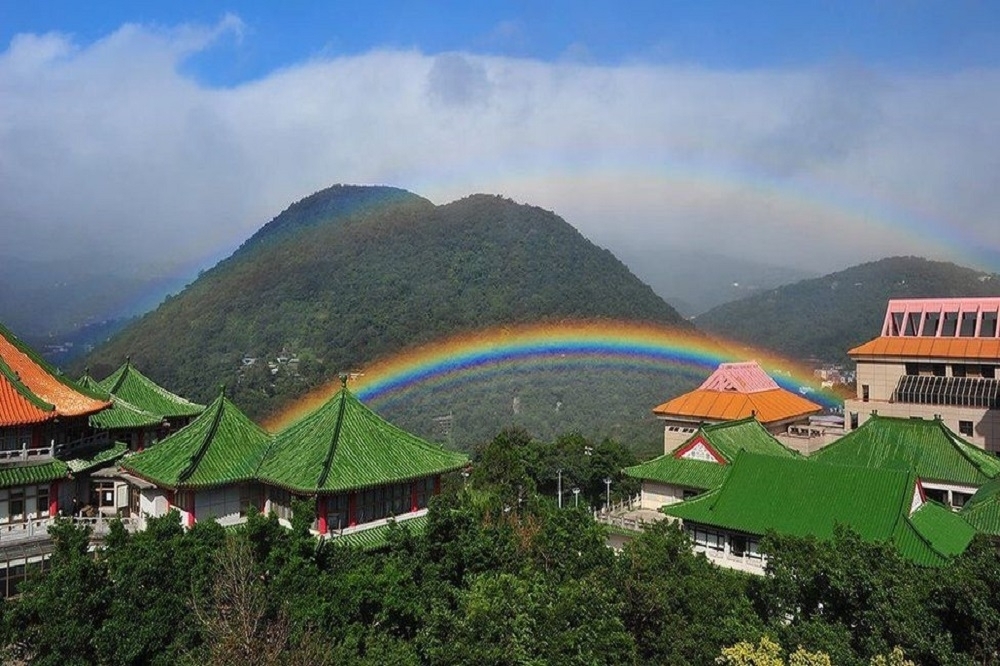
703 461
733 392
138 390
950 468
982 511
32 391
934 358
801 497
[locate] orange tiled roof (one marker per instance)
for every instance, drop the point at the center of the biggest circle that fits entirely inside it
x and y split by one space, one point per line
770 406
31 391
930 347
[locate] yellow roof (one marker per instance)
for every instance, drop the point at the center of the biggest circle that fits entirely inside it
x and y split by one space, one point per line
930 347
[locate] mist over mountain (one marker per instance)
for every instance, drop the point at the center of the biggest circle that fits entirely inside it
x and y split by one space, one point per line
824 317
694 281
351 274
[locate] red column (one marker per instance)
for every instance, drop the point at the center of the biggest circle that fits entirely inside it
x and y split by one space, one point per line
140 445
413 495
53 499
321 514
190 514
352 509
36 437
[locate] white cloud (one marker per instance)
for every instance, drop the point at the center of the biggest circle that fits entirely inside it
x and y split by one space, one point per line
107 149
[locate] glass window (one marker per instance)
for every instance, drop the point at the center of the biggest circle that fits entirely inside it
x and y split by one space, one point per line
988 329
931 324
950 325
968 327
965 428
738 545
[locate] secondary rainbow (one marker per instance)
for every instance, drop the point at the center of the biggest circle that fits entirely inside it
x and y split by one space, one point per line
602 343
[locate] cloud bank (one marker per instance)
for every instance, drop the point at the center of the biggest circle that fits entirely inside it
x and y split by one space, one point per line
109 152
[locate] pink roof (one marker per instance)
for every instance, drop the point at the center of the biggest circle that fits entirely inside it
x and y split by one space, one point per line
745 377
942 318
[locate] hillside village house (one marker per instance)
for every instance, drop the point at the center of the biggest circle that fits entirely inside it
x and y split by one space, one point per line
702 462
934 358
736 391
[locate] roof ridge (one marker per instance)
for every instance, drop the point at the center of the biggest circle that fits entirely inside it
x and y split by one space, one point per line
328 462
206 441
49 369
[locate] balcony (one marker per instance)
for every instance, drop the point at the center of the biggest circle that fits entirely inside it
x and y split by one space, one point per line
27 453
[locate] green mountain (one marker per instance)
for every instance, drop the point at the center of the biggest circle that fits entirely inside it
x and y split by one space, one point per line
351 274
824 317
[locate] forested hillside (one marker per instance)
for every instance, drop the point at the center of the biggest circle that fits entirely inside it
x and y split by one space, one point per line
351 274
824 317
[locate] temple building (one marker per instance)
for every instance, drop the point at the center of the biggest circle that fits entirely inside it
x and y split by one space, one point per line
950 468
702 462
736 391
206 469
356 470
46 446
982 511
803 497
935 358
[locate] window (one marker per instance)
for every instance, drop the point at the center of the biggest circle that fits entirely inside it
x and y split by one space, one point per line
965 428
931 324
988 329
688 493
989 371
854 420
958 499
753 549
912 323
708 538
16 504
968 327
864 392
738 545
102 493
959 370
950 325
42 501
936 495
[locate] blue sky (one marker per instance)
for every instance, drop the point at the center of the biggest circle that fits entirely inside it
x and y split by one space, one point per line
807 134
910 34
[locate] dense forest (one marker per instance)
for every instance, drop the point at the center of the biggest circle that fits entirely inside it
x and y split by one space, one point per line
352 274
499 576
824 317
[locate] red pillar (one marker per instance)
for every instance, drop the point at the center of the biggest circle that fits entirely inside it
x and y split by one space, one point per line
36 437
413 495
190 514
53 499
142 440
352 509
321 514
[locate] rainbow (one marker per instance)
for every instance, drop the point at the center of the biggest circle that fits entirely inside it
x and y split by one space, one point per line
480 354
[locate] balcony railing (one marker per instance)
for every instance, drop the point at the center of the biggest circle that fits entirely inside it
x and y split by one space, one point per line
38 453
38 528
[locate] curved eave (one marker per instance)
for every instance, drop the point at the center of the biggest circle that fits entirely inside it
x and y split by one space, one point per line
332 490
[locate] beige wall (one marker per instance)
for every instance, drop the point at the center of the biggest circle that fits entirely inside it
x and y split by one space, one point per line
654 495
881 379
676 433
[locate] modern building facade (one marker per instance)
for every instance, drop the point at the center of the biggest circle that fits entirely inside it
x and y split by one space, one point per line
934 358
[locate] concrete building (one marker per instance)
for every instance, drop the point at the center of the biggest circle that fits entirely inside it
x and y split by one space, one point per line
935 358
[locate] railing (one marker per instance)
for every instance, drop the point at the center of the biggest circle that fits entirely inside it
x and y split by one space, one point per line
27 453
37 528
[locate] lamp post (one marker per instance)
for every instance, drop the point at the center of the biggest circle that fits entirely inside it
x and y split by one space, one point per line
465 478
607 482
576 498
559 471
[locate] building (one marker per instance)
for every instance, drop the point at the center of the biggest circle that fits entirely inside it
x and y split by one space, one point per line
702 462
950 469
982 511
46 448
205 470
356 470
806 498
934 358
738 391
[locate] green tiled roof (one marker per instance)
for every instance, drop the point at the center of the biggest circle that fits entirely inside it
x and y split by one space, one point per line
139 391
727 439
23 475
377 537
344 445
799 497
77 465
983 510
121 415
927 446
221 446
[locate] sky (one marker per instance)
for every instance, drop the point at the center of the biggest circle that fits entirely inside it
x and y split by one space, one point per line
810 134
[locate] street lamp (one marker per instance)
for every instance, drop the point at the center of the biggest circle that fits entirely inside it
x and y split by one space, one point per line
559 471
576 498
607 482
